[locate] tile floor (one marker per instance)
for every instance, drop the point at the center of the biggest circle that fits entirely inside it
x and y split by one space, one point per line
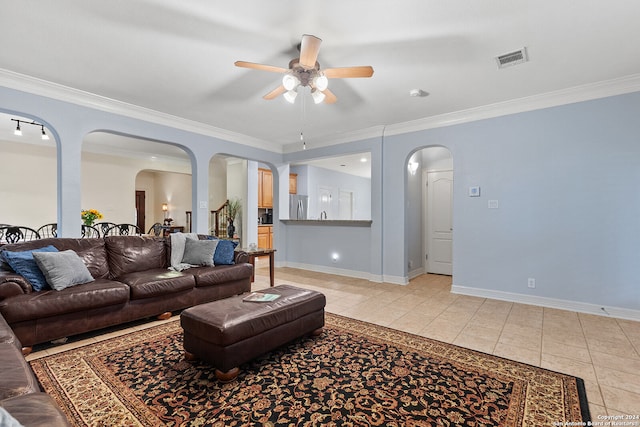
603 351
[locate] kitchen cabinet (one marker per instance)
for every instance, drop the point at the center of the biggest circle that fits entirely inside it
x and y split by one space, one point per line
293 183
265 188
265 236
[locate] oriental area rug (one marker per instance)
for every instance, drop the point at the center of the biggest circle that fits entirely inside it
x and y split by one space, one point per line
354 374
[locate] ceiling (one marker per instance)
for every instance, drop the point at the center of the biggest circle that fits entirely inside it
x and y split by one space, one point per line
177 57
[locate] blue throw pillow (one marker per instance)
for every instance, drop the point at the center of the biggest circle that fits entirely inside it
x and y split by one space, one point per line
22 262
224 254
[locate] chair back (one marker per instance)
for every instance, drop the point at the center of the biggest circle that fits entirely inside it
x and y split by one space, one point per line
48 230
89 232
103 227
156 229
17 233
123 230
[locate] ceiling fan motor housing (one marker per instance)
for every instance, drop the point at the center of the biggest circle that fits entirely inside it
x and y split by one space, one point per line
304 75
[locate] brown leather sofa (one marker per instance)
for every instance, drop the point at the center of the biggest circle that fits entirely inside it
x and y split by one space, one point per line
20 394
132 282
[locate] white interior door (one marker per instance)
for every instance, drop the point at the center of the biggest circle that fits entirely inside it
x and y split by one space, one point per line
440 222
345 203
324 202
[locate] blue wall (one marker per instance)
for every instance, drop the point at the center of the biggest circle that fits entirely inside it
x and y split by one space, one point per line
566 179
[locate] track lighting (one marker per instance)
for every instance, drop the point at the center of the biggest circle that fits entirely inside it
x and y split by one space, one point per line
44 136
18 130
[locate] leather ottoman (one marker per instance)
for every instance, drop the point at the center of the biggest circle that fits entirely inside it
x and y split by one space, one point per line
230 332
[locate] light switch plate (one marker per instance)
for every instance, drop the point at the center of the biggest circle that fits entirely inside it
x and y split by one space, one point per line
203 204
474 191
492 204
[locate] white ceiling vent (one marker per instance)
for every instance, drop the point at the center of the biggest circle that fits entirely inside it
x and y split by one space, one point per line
512 58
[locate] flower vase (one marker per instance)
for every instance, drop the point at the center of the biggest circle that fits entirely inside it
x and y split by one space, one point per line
231 230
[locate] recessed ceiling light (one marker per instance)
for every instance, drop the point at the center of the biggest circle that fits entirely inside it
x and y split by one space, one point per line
363 160
418 93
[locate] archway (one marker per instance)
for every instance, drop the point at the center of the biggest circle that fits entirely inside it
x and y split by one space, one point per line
430 196
28 173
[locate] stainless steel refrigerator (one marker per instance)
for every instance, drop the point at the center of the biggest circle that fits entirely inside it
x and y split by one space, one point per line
298 206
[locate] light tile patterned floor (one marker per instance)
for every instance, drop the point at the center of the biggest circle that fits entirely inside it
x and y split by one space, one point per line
603 351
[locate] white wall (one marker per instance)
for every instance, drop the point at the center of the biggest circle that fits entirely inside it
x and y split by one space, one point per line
108 185
28 194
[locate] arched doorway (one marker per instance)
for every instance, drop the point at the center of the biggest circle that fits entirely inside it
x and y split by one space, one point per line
430 186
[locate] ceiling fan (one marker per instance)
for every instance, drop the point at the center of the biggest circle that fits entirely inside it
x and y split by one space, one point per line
305 71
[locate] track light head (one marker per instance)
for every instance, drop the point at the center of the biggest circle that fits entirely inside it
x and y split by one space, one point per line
45 137
18 131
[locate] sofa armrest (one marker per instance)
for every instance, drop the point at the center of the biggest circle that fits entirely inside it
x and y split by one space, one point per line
35 410
13 284
241 257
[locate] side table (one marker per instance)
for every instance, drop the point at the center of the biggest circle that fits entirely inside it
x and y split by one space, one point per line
254 253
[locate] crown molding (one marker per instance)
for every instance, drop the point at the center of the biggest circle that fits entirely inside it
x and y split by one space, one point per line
603 89
63 93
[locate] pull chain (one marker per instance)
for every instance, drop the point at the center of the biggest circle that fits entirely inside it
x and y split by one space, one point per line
304 144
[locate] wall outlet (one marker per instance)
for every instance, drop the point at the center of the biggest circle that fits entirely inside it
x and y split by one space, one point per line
531 282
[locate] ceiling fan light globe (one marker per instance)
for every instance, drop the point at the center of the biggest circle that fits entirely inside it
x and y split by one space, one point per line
321 82
317 96
290 96
290 82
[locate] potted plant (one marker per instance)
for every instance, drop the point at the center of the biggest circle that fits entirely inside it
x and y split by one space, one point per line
234 207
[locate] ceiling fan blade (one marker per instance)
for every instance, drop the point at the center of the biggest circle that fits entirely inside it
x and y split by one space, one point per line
275 93
347 72
309 49
329 97
263 67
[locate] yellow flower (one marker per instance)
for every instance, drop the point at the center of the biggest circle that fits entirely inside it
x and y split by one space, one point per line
89 216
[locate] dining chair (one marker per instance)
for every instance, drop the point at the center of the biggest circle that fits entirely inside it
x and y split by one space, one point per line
17 233
156 229
90 232
123 230
104 226
48 230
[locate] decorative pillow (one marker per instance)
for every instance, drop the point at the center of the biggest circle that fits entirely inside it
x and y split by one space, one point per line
199 252
23 263
225 254
63 269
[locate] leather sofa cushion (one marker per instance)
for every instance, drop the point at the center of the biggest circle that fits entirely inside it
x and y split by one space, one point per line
17 377
230 320
92 251
6 334
39 305
157 282
208 276
128 254
35 410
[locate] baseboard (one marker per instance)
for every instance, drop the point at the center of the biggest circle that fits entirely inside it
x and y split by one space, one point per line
376 278
581 307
